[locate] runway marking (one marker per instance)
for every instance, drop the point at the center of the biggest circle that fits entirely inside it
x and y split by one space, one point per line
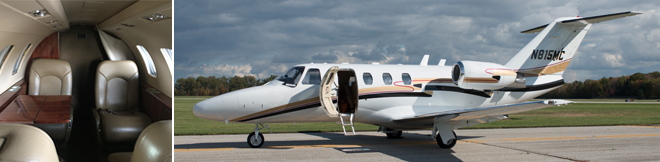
542 138
573 137
211 149
630 135
314 146
471 141
642 126
413 143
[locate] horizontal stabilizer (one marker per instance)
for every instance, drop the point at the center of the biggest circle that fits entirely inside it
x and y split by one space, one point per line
467 114
591 20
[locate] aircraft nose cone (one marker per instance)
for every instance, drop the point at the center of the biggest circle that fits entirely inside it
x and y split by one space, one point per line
208 109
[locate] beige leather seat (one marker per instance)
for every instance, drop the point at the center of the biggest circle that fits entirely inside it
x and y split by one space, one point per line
117 101
153 145
22 142
50 77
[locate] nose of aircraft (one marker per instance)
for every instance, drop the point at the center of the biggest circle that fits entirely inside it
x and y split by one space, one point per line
209 109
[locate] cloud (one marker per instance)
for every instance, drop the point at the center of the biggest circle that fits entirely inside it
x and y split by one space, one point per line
218 70
272 36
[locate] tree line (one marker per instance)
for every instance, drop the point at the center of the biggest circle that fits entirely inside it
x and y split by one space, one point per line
213 86
638 85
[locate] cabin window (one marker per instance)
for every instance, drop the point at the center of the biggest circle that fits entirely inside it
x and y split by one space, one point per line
20 58
151 68
292 76
368 80
4 53
169 58
313 76
406 78
387 78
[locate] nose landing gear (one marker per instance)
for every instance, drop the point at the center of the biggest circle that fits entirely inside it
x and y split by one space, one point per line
256 139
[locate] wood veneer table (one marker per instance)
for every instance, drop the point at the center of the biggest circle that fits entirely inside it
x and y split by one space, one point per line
29 109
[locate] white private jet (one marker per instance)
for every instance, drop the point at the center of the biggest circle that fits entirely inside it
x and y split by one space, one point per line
411 97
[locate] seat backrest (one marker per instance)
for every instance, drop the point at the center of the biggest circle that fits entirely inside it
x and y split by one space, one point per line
154 143
117 85
50 77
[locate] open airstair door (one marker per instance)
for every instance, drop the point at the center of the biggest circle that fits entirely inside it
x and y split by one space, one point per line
345 91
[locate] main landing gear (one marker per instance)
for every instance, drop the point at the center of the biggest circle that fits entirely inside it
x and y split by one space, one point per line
443 132
256 139
391 133
394 134
451 144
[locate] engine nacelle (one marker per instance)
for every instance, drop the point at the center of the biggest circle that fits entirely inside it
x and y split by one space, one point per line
482 75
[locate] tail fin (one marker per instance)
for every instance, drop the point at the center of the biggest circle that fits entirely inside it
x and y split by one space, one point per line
554 47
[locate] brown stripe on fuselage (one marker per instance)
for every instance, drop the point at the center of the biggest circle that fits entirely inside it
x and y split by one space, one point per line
480 80
386 89
278 108
442 80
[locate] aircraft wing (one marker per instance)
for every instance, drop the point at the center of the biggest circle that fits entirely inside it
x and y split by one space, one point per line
463 117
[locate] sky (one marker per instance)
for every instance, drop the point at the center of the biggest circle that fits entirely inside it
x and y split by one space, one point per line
263 38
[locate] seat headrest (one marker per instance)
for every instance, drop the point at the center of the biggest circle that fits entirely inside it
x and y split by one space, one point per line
118 69
50 77
26 143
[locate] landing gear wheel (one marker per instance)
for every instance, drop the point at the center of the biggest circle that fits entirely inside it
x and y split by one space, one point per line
395 134
442 145
254 141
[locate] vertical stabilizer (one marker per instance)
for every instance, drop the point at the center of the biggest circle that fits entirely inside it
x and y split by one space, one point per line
556 45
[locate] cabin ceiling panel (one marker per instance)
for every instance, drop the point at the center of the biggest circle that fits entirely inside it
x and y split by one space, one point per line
16 14
93 11
56 9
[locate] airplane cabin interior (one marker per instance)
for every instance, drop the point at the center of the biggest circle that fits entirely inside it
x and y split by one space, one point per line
86 80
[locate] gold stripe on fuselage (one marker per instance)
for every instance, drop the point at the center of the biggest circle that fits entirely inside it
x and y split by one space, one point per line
548 70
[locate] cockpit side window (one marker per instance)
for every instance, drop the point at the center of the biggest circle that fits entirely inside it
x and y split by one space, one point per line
313 76
406 78
368 80
292 76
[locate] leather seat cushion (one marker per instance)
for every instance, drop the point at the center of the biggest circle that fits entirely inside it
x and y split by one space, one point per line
26 143
123 127
120 157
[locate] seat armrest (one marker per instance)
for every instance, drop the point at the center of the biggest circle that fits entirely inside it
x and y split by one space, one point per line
97 124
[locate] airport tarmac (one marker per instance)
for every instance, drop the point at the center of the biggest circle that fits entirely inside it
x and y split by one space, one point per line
602 143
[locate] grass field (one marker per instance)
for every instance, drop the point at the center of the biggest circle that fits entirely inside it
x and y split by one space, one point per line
582 114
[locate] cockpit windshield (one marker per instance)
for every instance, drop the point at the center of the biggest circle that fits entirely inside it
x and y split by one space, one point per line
292 75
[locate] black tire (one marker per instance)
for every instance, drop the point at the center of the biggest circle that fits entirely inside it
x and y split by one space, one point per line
395 134
255 143
438 139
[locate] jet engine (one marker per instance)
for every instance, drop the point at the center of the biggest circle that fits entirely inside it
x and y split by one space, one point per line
482 75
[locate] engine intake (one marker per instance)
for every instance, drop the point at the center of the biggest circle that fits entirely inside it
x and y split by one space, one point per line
482 75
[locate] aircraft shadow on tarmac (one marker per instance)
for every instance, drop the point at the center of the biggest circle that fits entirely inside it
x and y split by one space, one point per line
411 147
